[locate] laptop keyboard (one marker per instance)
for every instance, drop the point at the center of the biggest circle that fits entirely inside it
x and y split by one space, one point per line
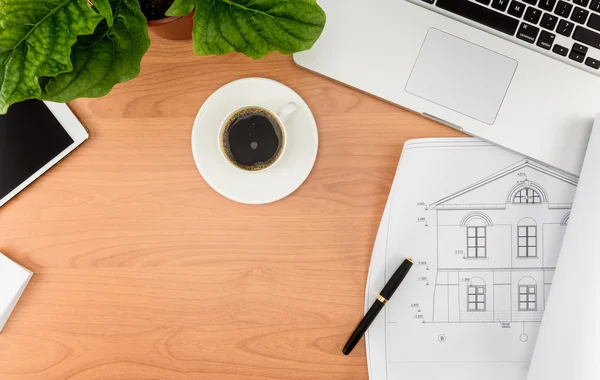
566 30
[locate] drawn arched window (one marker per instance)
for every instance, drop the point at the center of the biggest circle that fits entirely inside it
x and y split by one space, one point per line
527 238
565 219
527 195
476 295
476 238
527 294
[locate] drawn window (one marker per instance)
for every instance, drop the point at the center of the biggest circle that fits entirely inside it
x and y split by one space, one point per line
565 219
527 297
476 242
527 238
476 298
527 195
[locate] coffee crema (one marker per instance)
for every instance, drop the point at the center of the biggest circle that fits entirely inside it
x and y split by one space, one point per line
252 139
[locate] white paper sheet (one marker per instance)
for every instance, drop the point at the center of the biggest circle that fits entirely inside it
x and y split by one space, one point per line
13 280
567 347
484 226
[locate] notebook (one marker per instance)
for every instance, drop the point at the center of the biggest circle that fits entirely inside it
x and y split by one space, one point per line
13 280
484 227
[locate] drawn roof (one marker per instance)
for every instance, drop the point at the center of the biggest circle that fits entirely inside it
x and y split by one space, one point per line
526 163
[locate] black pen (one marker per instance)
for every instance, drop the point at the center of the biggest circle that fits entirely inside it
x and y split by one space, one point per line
382 299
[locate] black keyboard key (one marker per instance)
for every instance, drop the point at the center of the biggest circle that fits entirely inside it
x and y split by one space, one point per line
547 5
565 28
533 2
560 50
563 9
586 36
485 2
549 21
528 33
583 3
533 15
595 6
594 21
580 48
580 15
575 56
516 9
480 14
546 40
500 5
591 62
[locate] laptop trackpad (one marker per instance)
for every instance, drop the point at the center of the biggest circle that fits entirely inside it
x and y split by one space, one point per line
461 76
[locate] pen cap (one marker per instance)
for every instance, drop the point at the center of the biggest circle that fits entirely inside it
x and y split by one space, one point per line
396 279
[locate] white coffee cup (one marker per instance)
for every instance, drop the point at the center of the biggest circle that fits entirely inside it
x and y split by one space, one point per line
278 118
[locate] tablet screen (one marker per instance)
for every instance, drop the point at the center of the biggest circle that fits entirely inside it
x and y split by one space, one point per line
30 137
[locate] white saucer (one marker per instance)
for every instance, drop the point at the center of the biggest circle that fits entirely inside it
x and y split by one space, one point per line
276 182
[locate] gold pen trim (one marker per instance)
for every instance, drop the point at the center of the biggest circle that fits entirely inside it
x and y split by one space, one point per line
381 299
410 259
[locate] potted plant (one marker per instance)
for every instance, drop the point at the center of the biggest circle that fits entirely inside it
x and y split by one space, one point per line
60 50
169 27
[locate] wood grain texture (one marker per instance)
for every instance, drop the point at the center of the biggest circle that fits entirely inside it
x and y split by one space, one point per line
142 271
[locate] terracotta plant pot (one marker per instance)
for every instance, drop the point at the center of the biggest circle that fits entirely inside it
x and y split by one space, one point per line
173 28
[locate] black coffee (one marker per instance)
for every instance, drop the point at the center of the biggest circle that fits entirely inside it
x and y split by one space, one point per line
252 139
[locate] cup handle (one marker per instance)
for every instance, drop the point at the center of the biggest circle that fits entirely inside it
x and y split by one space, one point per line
287 111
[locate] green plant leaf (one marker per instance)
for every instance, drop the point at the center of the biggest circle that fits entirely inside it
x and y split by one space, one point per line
104 8
181 8
35 40
252 27
110 56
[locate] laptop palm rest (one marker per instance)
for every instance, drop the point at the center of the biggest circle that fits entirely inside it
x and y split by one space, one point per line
461 76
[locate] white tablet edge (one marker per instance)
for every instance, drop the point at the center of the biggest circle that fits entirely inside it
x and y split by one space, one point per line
73 127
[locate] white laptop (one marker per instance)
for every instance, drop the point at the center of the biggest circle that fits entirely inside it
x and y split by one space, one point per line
523 74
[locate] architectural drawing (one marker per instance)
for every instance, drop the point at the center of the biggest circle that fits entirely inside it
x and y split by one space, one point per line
503 236
484 227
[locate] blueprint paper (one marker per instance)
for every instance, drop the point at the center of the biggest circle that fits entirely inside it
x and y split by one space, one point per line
13 280
568 345
484 226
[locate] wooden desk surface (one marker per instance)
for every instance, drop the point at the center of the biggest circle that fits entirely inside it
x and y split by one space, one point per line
142 271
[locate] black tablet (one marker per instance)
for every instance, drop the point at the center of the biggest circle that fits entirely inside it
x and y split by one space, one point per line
34 136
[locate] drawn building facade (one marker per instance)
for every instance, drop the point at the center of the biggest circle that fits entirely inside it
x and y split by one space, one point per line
498 241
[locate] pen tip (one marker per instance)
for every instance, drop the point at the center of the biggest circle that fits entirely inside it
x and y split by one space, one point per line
410 259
